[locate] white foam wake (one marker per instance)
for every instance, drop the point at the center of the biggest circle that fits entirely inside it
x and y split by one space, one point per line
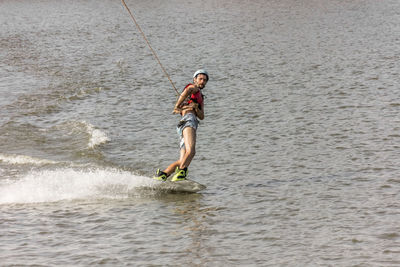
97 137
22 159
70 184
76 128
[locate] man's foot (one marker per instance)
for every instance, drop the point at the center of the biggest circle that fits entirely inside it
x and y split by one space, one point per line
160 176
180 174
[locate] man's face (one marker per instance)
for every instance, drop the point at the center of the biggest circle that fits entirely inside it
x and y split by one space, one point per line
200 80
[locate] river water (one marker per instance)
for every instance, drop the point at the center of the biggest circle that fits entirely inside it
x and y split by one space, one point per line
300 147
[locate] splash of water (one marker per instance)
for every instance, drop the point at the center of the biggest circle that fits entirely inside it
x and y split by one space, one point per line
71 184
96 136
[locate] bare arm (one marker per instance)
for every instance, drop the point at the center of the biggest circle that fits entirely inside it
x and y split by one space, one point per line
188 91
199 111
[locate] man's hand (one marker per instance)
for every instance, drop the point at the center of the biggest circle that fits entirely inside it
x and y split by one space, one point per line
177 111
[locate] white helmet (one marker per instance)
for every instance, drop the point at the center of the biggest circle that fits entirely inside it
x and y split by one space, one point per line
201 71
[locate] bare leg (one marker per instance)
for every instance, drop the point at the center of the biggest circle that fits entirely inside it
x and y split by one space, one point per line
189 136
187 153
171 168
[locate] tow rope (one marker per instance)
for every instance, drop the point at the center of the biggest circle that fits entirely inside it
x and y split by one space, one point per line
148 43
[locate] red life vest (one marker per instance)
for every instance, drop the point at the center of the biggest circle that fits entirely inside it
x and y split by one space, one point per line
196 98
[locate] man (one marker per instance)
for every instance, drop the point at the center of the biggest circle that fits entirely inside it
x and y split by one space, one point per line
190 105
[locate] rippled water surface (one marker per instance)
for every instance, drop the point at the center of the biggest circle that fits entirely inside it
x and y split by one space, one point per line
300 147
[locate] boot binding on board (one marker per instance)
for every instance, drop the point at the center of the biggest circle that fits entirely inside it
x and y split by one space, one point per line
160 176
180 175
